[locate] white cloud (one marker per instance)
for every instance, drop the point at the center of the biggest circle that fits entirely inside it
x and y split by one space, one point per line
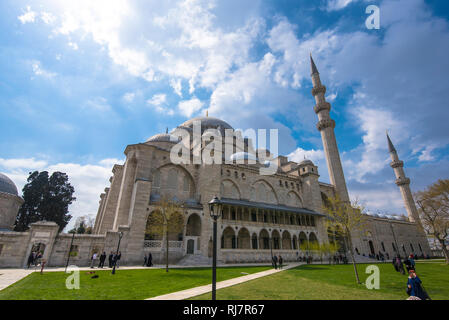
300 154
177 86
98 104
334 5
129 97
89 180
47 17
27 17
73 45
159 103
38 70
189 107
25 163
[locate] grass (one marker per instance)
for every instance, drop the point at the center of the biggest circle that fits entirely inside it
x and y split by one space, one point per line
124 285
337 282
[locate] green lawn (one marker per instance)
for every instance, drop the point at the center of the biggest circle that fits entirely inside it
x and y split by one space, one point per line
337 282
125 284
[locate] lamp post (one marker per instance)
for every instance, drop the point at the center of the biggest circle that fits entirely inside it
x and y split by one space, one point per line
120 235
394 237
215 210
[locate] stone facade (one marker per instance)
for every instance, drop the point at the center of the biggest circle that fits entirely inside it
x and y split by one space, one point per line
262 214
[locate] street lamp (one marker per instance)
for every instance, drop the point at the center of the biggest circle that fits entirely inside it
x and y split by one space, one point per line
120 235
215 210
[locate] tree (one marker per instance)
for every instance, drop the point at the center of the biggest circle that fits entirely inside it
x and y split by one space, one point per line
433 206
167 219
83 225
45 198
346 219
328 249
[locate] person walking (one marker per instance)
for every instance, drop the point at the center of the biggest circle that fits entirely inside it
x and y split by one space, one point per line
412 261
144 260
117 259
102 259
150 260
400 265
30 259
275 261
415 287
111 259
280 261
93 259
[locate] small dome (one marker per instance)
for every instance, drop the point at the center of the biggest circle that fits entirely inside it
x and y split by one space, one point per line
207 122
7 186
162 137
306 162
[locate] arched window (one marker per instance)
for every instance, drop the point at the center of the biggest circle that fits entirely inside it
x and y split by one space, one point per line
254 241
157 179
172 180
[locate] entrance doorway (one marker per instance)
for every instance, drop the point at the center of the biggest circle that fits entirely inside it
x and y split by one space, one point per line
190 246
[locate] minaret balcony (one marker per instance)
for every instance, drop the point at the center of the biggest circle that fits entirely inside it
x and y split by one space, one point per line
319 89
397 164
323 124
402 181
322 106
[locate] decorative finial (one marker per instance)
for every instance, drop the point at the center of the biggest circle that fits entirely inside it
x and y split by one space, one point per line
390 144
313 66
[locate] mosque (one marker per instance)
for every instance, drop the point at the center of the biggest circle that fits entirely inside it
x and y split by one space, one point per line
262 214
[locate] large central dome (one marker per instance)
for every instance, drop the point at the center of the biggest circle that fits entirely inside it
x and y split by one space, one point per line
207 122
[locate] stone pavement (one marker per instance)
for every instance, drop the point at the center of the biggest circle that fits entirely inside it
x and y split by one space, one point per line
10 276
188 293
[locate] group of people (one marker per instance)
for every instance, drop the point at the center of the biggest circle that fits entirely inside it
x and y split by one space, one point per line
338 259
277 261
114 259
307 259
148 260
34 258
415 288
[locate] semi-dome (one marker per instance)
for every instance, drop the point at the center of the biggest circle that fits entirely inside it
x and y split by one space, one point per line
162 137
207 122
7 186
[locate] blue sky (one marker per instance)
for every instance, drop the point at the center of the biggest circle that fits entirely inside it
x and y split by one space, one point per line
81 80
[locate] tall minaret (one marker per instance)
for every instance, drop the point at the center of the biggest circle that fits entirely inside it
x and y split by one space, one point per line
326 126
403 183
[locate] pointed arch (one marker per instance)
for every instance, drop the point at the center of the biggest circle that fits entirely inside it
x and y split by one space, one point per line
229 189
294 199
264 192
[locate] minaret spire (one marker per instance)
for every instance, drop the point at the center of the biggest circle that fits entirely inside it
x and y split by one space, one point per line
326 126
403 183
313 66
390 144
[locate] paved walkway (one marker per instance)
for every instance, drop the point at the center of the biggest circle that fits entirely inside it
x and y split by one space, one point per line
10 276
193 292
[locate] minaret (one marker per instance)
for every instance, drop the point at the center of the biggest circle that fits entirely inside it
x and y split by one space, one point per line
403 183
326 126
